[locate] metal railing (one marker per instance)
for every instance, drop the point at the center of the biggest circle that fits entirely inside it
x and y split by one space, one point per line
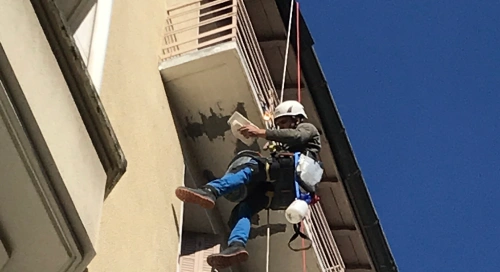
323 242
200 24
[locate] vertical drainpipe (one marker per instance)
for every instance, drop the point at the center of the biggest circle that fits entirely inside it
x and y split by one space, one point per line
99 41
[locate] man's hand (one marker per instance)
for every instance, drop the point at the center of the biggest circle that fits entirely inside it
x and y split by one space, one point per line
252 131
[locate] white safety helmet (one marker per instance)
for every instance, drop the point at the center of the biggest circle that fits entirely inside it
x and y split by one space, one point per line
289 108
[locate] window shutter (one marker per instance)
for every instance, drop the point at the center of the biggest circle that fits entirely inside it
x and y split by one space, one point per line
188 254
194 251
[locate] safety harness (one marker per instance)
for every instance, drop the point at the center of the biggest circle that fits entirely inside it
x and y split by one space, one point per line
279 170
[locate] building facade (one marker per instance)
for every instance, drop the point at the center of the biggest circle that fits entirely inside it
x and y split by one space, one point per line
107 106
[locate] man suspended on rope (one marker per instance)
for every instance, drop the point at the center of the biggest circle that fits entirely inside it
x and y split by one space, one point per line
296 136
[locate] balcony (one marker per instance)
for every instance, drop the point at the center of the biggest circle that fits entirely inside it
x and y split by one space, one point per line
211 64
215 33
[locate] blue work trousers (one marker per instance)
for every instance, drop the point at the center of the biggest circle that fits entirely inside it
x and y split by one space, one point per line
240 220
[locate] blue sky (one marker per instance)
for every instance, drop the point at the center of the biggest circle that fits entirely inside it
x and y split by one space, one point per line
417 86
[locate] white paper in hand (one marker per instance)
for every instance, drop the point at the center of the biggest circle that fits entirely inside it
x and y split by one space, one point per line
237 121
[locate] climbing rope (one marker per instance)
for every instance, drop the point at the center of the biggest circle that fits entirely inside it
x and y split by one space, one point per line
268 241
299 98
286 50
299 75
281 101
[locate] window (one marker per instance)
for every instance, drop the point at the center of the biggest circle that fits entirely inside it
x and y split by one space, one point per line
83 88
83 34
74 11
89 21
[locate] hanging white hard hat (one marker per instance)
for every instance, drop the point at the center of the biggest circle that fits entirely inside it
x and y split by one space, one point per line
289 108
297 211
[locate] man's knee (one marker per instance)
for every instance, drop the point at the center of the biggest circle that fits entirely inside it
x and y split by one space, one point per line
241 210
247 209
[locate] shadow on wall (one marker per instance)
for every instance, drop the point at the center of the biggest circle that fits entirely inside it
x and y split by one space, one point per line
262 230
215 126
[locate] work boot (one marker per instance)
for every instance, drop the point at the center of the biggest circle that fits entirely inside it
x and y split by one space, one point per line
204 196
234 254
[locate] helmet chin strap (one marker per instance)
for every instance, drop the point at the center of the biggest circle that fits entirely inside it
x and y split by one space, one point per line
297 120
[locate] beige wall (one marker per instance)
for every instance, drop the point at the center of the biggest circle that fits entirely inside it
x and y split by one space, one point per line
138 230
54 110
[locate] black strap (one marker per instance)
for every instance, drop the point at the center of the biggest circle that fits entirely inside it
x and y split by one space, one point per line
296 228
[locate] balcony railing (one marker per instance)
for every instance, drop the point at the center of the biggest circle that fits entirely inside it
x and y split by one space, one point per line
200 24
324 245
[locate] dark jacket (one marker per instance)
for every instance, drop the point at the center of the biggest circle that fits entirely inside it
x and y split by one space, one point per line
305 137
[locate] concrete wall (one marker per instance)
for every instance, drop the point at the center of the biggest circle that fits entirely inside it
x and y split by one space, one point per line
138 229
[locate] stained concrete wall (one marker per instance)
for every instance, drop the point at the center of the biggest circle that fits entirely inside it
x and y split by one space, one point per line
138 229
